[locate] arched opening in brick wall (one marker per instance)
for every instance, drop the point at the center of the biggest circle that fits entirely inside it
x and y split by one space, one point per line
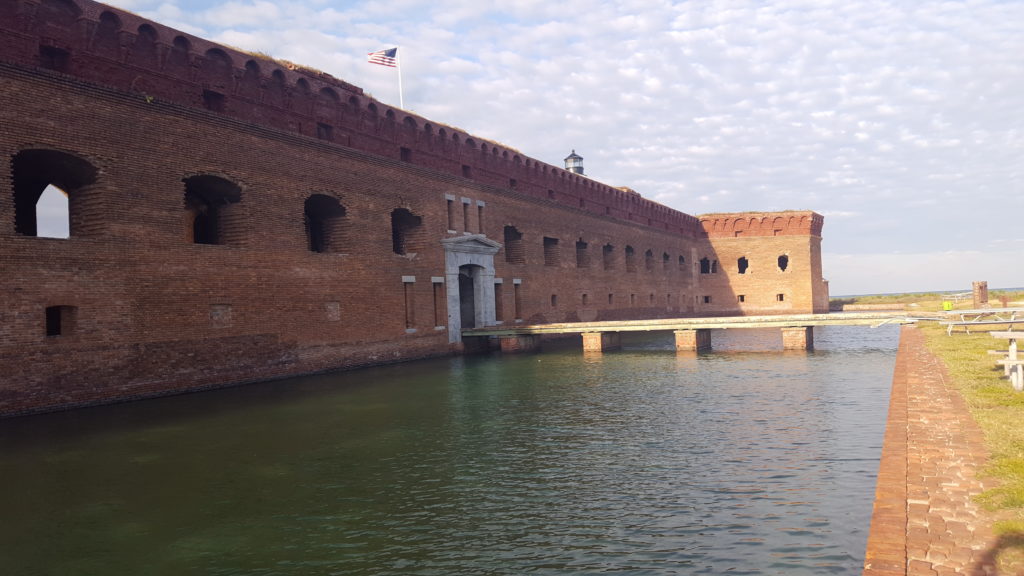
406 232
682 264
144 49
649 261
58 175
742 264
57 14
105 40
213 210
665 260
608 257
467 294
326 225
630 259
513 245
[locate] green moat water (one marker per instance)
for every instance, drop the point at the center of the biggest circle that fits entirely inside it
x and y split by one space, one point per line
632 462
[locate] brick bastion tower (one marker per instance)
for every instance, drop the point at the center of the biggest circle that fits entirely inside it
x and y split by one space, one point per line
235 218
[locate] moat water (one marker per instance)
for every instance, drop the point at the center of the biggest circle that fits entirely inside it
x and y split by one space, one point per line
748 460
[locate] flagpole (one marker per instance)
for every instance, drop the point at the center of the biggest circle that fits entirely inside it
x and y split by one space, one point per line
398 58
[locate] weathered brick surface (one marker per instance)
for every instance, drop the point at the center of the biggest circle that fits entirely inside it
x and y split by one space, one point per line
925 519
155 313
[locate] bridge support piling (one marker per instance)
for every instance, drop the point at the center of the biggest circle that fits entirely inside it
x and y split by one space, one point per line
520 343
698 340
801 338
600 341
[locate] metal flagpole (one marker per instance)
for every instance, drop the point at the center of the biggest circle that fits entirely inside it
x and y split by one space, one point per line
398 60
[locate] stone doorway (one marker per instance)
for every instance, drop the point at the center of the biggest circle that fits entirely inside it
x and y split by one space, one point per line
469 279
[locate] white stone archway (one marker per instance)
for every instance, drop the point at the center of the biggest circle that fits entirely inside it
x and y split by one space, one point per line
475 251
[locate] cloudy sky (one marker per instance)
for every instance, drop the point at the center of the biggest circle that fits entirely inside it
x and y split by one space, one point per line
902 122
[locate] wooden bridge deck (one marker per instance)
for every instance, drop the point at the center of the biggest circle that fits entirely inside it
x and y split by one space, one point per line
691 333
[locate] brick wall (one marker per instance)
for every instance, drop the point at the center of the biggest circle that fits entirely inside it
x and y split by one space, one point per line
135 304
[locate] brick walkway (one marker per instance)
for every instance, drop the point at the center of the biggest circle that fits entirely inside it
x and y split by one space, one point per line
924 521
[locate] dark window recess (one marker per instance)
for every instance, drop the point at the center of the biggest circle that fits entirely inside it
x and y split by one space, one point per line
53 58
783 262
705 266
608 256
550 251
406 231
324 131
741 298
405 154
325 223
649 261
582 257
214 101
60 320
514 246
630 259
682 264
714 266
707 299
554 300
780 297
512 183
742 264
212 203
467 171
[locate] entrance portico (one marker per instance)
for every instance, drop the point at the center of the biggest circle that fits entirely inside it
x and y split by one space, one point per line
469 277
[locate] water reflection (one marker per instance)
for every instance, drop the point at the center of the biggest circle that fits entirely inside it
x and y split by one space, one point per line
639 461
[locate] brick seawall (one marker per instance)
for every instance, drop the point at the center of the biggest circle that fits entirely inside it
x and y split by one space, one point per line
925 521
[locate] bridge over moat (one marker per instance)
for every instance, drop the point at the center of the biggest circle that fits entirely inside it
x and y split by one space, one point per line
691 334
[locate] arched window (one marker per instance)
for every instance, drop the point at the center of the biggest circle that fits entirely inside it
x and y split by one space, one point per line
783 262
61 181
406 232
649 261
582 255
325 223
630 259
213 214
742 264
608 257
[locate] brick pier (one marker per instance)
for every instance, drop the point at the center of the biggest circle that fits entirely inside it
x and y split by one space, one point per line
925 522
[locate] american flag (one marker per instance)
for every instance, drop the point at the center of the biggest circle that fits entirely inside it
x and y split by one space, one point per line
386 57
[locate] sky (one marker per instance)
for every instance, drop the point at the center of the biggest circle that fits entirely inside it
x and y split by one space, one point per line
902 122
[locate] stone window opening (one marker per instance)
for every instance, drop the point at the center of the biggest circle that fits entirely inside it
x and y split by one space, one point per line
783 262
630 259
742 264
325 224
409 294
780 297
632 299
56 59
406 232
551 251
514 246
54 194
216 102
439 302
465 214
585 299
705 266
741 298
649 261
499 298
611 298
554 300
212 205
582 256
61 320
665 262
707 299
682 264
450 203
479 217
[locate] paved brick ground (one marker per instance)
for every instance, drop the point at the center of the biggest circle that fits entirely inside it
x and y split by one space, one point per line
924 522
